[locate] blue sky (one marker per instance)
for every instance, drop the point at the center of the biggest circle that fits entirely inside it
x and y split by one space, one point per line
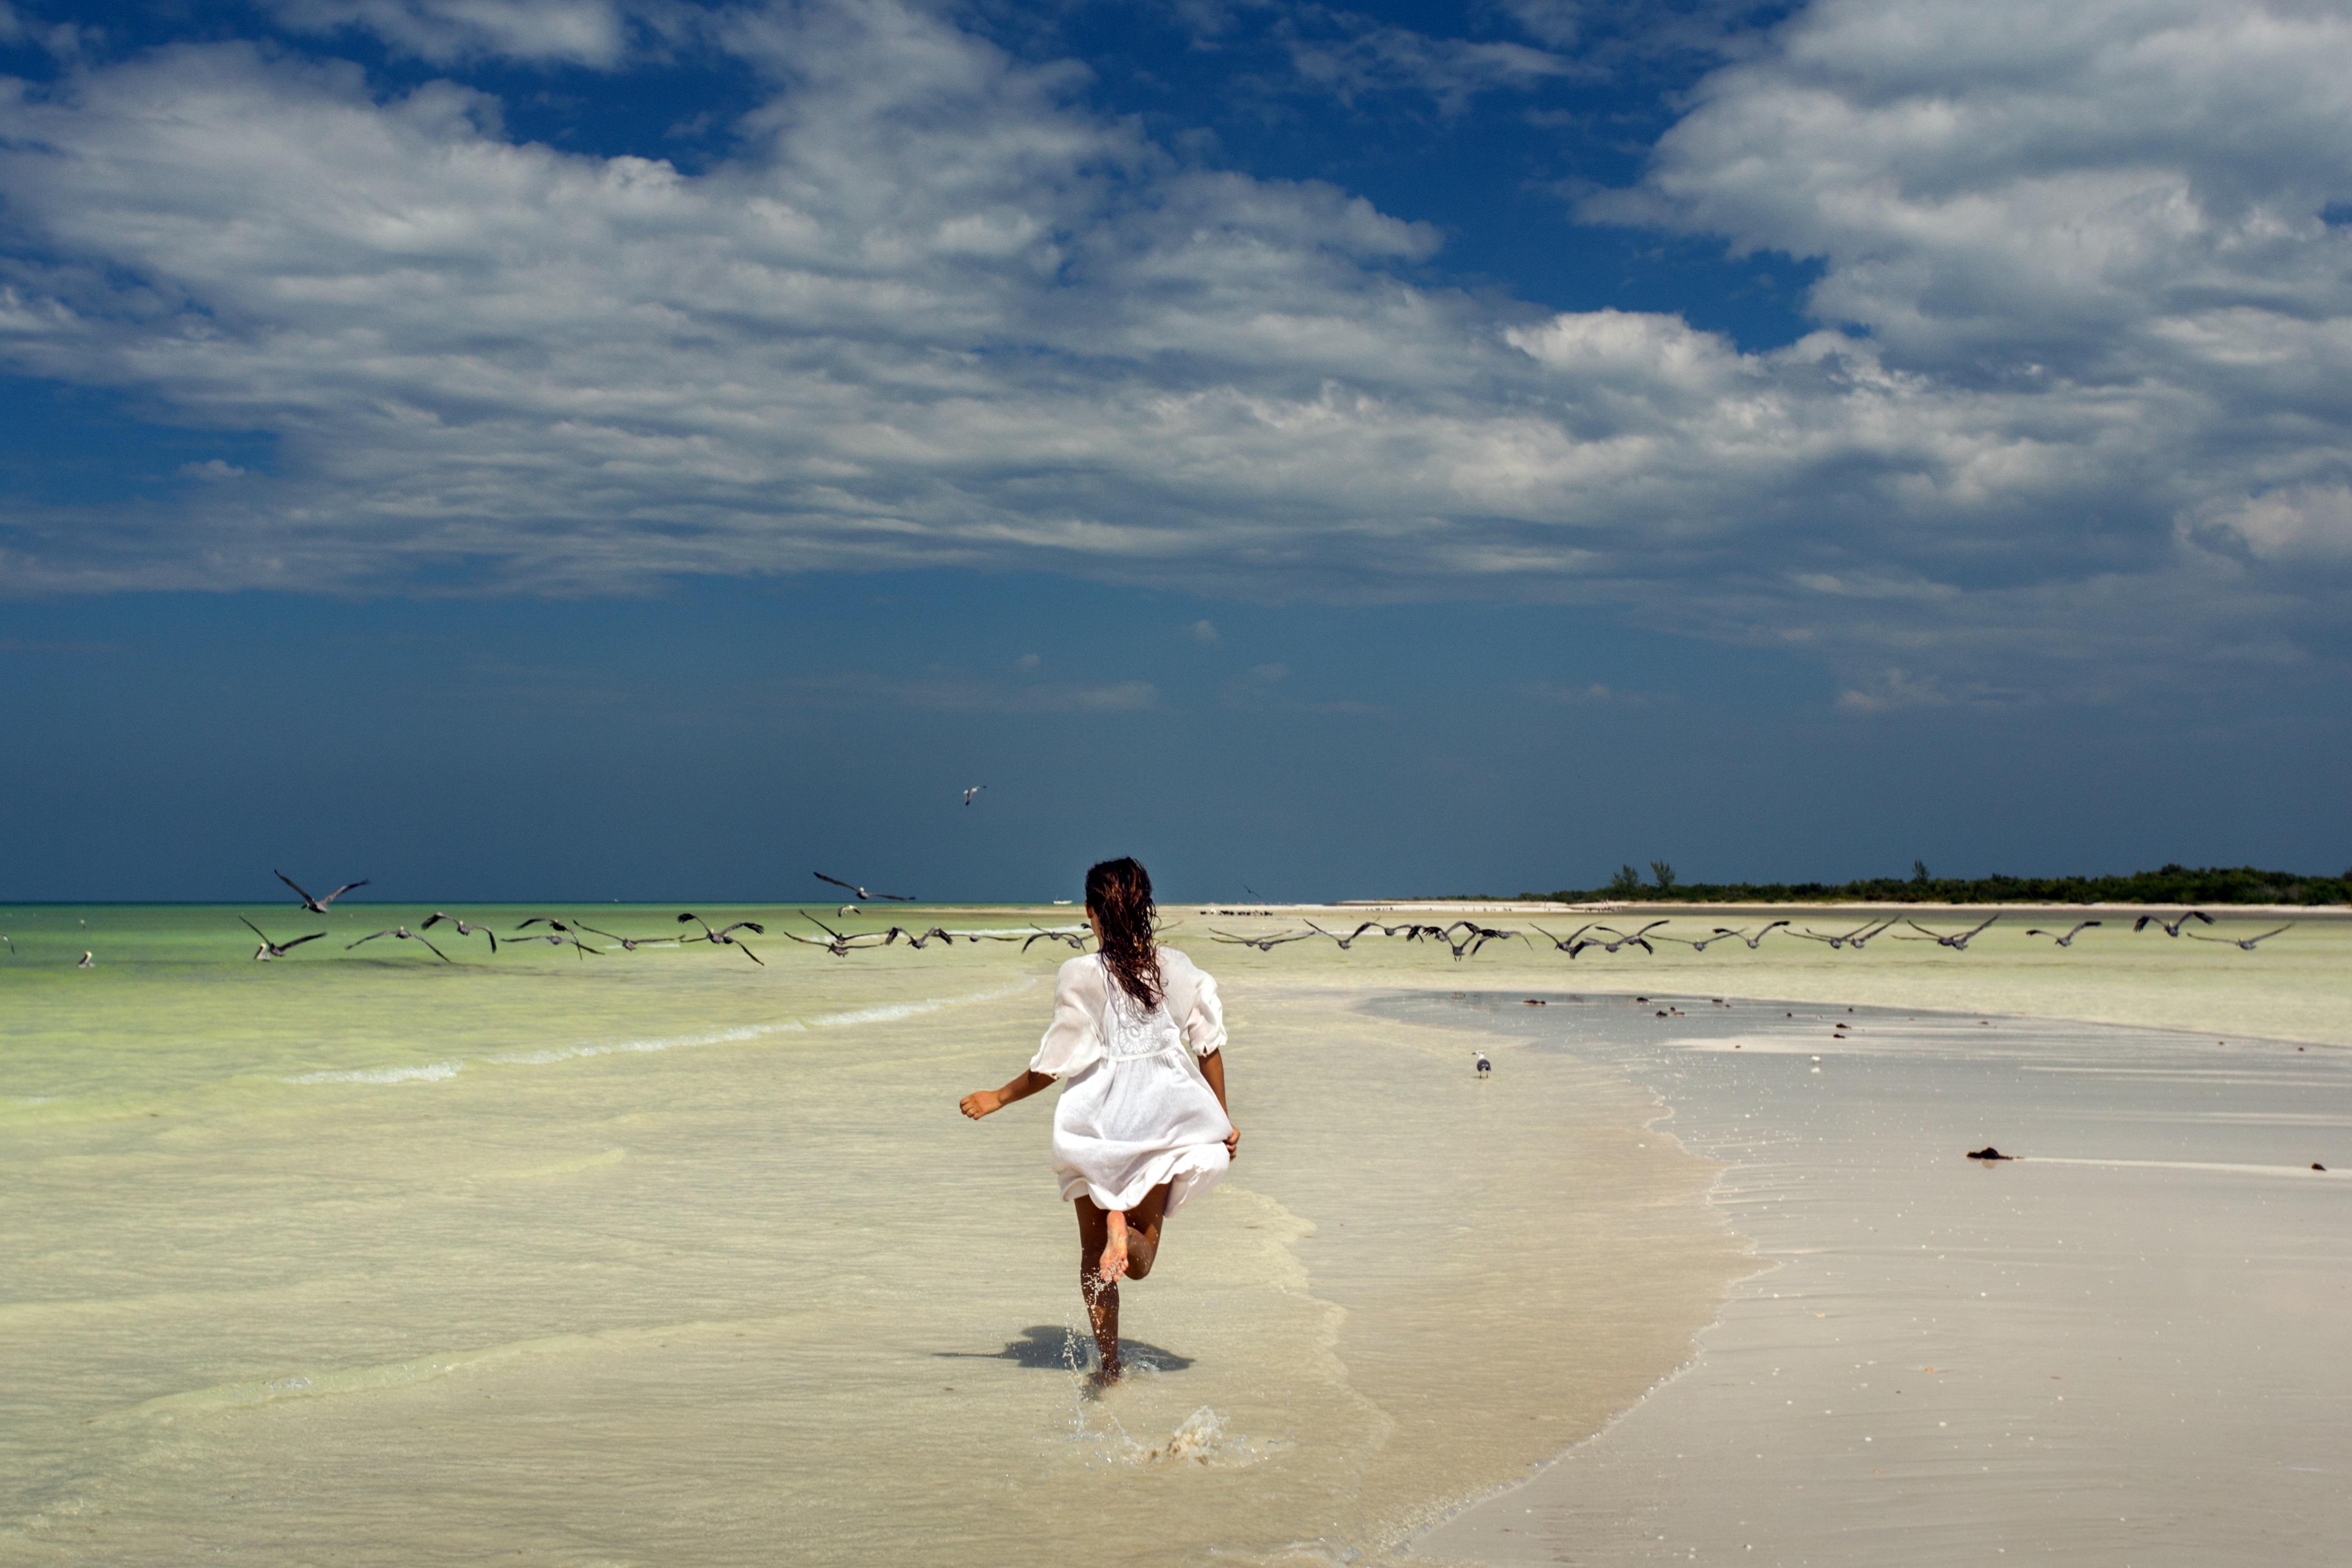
587 448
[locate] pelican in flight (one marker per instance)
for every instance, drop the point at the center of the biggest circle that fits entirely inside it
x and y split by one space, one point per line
1263 943
937 934
405 934
559 932
628 943
268 949
725 935
1350 940
2066 941
833 942
1958 940
1855 938
869 897
1640 938
2172 927
1473 937
436 917
2244 944
317 906
1567 944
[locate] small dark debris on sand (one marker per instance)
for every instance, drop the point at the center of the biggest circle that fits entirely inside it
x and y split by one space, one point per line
2317 1166
1988 1152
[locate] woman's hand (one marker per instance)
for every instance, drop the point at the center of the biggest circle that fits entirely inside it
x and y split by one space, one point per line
981 1102
1232 1143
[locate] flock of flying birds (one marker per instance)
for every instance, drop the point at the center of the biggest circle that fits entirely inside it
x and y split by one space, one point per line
573 933
1462 937
1466 937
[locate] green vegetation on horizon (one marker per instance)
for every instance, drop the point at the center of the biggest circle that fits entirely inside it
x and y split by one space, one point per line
2171 885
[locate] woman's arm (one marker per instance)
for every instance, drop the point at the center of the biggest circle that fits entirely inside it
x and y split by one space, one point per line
1212 1068
982 1101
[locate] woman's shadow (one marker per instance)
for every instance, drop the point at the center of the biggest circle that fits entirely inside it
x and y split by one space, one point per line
1049 1347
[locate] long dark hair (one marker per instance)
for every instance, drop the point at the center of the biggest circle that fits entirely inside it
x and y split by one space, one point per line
1118 895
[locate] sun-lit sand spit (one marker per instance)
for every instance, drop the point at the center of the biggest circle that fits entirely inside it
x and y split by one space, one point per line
666 1257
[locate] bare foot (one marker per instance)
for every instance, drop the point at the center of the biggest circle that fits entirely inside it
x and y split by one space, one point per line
1107 1375
1113 1266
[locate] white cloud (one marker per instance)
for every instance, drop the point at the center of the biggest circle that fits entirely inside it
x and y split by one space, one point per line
935 314
948 691
1891 690
1352 57
2303 522
212 470
1203 632
569 32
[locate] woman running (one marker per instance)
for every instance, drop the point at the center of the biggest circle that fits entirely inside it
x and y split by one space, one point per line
1138 1037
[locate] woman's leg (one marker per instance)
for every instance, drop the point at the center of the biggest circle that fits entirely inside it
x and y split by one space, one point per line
1098 1277
1143 1226
1101 1295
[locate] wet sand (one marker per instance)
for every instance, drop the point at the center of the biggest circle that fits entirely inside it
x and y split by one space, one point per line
2126 1347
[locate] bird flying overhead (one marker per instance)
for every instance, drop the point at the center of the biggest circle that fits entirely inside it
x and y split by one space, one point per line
317 906
893 897
2067 939
2245 943
268 949
972 791
1957 941
436 917
405 934
725 935
2172 927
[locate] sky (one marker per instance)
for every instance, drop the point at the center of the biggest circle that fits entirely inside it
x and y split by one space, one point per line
648 449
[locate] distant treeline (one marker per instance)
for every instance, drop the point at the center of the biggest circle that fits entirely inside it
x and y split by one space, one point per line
2172 885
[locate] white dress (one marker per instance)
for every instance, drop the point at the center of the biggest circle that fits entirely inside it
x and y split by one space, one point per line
1135 1110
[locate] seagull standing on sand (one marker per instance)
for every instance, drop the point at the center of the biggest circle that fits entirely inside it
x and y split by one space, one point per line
405 934
2068 939
268 949
317 906
1479 1059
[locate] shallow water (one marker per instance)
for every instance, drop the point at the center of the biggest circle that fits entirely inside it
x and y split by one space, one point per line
670 1256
